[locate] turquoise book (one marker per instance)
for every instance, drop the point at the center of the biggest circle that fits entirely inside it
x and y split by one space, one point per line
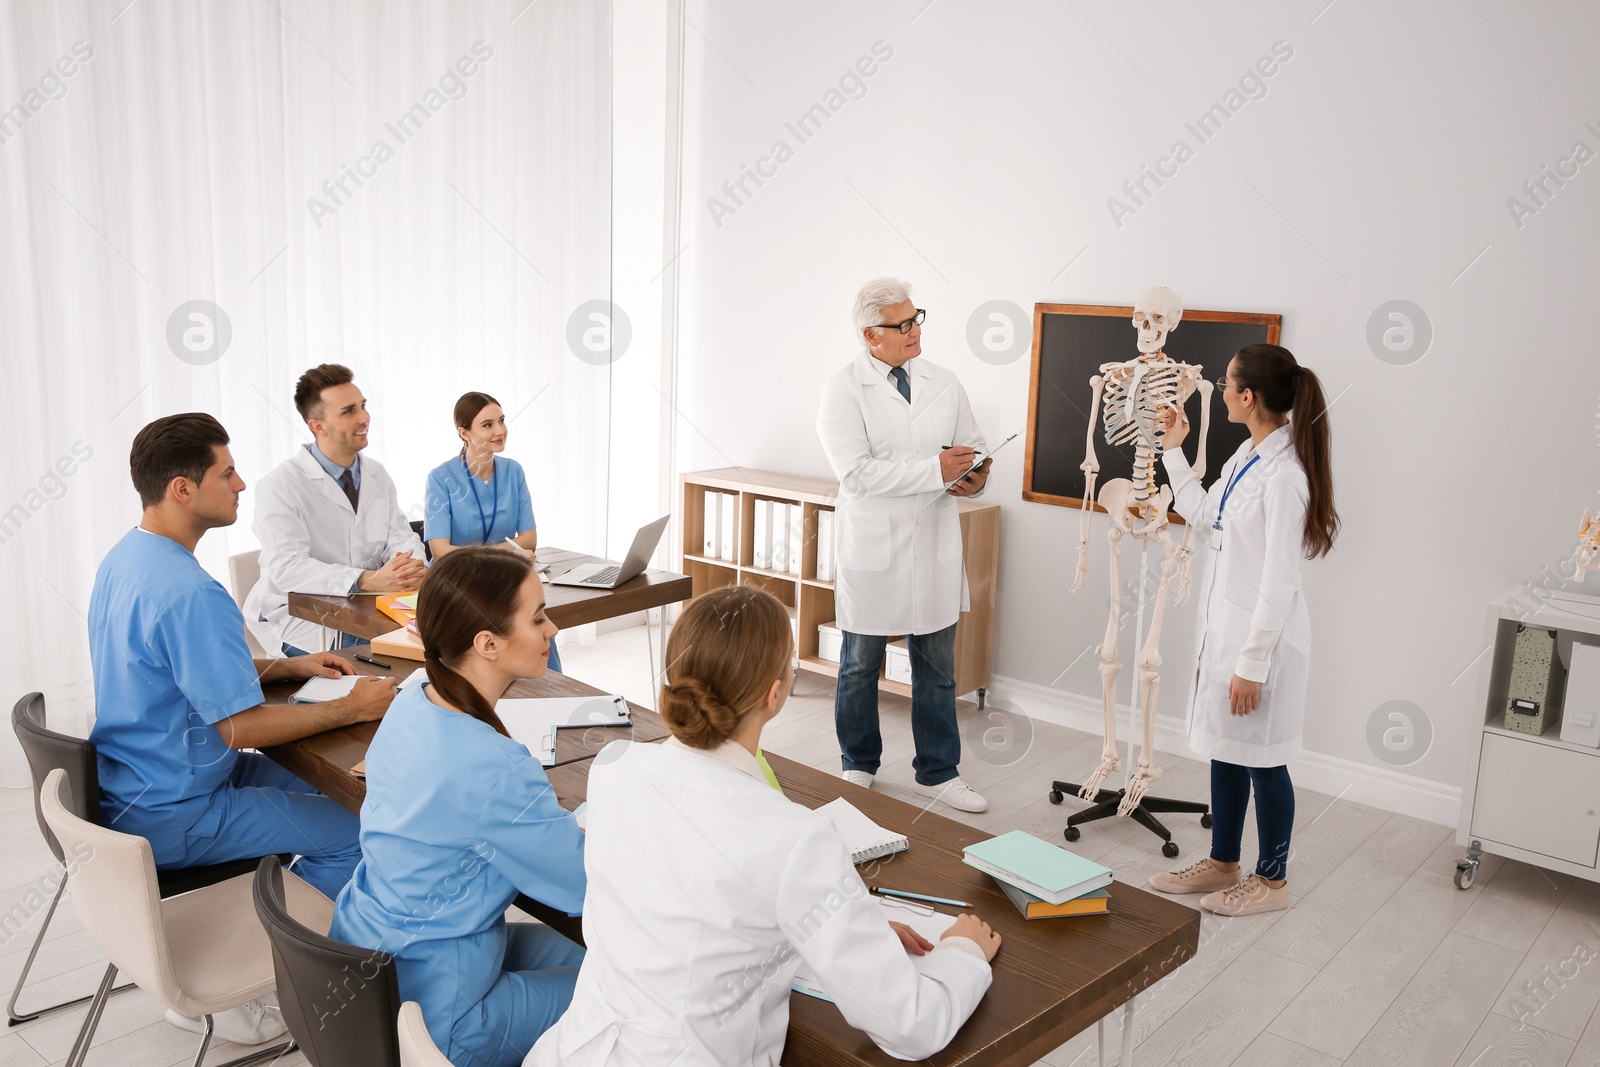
1052 874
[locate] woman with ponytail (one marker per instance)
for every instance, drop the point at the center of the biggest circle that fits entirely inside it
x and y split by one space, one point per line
708 888
1271 508
459 817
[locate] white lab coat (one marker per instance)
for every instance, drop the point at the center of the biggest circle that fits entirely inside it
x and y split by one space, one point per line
899 568
1252 620
707 888
312 542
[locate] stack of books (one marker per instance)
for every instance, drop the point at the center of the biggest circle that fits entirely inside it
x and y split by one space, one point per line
1043 881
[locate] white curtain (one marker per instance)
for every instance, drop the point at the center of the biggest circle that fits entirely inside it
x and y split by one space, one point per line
163 152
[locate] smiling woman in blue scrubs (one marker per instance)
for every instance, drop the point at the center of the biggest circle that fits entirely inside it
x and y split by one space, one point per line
480 497
459 817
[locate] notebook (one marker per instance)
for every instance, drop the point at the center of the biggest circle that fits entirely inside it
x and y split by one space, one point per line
921 918
865 839
317 690
1031 907
1052 874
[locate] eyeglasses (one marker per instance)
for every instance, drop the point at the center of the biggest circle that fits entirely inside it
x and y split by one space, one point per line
1223 383
904 327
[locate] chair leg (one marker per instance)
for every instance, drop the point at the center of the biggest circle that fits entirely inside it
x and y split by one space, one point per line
205 1043
91 1021
22 979
273 1052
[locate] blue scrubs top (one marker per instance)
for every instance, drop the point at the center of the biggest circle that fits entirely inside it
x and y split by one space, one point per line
468 511
170 661
457 819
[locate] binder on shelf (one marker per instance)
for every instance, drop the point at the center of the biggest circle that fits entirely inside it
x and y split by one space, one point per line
729 508
780 536
761 556
1037 867
824 546
712 548
797 536
1031 907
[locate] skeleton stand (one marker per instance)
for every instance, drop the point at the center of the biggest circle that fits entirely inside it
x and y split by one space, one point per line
1106 801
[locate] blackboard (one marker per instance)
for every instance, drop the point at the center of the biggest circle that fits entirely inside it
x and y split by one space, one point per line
1070 342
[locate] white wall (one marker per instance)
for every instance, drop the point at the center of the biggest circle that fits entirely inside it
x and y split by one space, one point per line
1377 166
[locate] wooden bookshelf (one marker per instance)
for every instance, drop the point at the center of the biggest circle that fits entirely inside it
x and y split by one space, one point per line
810 599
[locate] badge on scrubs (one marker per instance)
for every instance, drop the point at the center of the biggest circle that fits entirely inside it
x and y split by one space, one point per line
1216 536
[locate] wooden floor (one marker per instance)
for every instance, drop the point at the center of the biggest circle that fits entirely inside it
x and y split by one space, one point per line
1380 961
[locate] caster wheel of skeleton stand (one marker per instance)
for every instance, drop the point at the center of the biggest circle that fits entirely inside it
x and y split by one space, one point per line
1170 849
1056 796
1072 833
1464 876
1205 821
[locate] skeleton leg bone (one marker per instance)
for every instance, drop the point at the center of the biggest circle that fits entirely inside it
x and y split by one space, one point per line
1114 499
1149 662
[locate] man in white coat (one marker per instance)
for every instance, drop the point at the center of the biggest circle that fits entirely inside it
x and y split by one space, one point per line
328 519
896 429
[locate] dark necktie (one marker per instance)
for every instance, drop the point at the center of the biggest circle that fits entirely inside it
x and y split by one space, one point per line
347 482
902 382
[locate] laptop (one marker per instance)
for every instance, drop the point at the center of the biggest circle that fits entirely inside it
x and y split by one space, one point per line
608 575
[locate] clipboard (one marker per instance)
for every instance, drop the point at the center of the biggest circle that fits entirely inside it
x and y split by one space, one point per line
979 460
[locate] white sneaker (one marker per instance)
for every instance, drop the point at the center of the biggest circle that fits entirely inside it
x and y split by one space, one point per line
956 793
251 1023
861 778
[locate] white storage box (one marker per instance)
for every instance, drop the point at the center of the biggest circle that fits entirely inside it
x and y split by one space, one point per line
1580 720
897 662
829 642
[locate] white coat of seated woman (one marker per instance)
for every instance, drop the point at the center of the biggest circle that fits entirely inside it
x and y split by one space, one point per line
707 888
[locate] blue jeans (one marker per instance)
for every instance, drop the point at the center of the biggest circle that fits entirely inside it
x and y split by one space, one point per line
933 704
1230 795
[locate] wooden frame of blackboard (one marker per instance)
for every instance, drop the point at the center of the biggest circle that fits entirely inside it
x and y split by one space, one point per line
1273 325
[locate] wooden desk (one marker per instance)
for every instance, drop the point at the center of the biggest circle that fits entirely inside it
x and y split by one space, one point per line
325 759
1052 978
567 605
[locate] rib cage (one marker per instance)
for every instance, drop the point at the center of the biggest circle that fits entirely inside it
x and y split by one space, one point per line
1136 396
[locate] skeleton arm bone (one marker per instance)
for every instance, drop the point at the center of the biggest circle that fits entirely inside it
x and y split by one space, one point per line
1090 467
1206 389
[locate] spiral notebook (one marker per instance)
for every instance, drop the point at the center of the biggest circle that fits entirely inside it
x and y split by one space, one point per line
865 839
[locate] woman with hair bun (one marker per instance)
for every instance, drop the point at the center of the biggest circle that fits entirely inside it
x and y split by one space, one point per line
459 817
708 888
1270 509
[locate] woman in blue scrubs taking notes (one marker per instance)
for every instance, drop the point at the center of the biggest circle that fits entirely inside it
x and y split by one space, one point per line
480 497
459 817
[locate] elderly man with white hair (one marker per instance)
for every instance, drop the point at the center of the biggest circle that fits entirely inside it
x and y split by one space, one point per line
896 430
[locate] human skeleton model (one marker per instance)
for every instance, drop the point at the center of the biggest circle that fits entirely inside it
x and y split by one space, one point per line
1588 543
1136 396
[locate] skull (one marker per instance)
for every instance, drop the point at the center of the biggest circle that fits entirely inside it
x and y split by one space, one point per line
1156 313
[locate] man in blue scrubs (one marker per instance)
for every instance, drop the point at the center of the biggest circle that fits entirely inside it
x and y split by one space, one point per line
177 696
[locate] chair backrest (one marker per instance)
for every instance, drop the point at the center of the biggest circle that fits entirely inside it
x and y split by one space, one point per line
46 751
115 891
244 571
340 1002
416 1044
417 527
